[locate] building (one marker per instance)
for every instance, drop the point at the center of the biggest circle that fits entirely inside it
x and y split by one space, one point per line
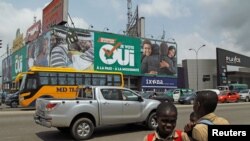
228 68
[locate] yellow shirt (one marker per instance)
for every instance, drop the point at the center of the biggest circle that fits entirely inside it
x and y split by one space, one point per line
174 135
200 131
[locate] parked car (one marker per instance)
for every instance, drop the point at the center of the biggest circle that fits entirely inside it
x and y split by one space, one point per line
177 93
3 96
245 95
217 91
188 98
160 96
228 97
12 100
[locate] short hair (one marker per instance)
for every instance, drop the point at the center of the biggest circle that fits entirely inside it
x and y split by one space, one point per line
165 106
146 41
208 100
172 48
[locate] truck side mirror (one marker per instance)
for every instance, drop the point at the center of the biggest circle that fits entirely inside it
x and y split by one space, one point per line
140 99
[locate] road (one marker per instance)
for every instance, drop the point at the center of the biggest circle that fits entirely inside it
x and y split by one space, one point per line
19 125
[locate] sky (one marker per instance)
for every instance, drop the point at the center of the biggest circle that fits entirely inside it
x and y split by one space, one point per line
191 23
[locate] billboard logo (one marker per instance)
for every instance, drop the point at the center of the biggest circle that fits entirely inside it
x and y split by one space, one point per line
18 64
159 82
233 60
122 54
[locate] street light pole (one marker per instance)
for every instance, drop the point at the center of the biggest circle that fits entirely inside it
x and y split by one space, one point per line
197 68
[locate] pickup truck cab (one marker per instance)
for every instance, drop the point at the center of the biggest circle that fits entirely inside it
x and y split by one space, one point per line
94 107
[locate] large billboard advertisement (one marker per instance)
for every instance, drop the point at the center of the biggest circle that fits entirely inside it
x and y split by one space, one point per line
55 13
18 62
158 58
33 32
117 53
101 51
6 67
38 51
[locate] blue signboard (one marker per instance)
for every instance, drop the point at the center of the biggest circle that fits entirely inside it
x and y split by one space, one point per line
159 82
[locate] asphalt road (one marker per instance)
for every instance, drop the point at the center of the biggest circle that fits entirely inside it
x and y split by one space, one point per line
18 125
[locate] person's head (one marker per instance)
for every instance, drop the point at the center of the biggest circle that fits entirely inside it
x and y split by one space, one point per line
171 51
166 114
205 102
192 117
163 48
45 44
53 40
147 47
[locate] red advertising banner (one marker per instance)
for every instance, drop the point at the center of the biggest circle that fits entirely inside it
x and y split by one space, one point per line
55 13
33 32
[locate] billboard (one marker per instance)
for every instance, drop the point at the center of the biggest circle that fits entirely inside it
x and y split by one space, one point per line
159 82
117 53
101 51
54 14
18 42
38 51
33 32
6 67
158 58
18 62
224 58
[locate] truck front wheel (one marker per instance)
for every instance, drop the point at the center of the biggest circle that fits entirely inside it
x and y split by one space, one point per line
152 121
82 129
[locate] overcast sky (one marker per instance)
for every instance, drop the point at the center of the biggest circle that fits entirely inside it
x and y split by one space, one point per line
192 23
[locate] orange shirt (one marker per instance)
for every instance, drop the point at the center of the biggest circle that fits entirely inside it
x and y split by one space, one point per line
174 136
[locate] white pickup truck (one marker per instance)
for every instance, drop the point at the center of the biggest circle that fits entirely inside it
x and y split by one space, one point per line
94 107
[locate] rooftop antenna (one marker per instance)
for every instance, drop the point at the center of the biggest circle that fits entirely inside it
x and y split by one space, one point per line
129 6
34 19
163 35
71 20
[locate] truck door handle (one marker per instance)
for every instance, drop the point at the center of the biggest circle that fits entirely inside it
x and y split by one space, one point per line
105 103
126 104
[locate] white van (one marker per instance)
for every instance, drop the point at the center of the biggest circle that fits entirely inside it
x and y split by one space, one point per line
215 90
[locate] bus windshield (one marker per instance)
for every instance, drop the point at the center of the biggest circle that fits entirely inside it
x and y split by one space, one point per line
62 83
23 82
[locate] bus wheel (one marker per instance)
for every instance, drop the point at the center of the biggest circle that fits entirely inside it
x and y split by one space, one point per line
82 129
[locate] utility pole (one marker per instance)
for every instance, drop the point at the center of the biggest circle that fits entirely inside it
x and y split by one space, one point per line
197 68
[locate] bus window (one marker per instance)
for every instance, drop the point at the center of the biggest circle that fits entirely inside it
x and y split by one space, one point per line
53 78
71 78
31 84
62 78
79 79
95 80
44 78
109 80
87 79
117 80
102 79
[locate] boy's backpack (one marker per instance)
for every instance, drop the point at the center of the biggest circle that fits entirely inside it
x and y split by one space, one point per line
205 121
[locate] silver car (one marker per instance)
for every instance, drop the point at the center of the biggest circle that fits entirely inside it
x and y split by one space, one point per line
245 95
